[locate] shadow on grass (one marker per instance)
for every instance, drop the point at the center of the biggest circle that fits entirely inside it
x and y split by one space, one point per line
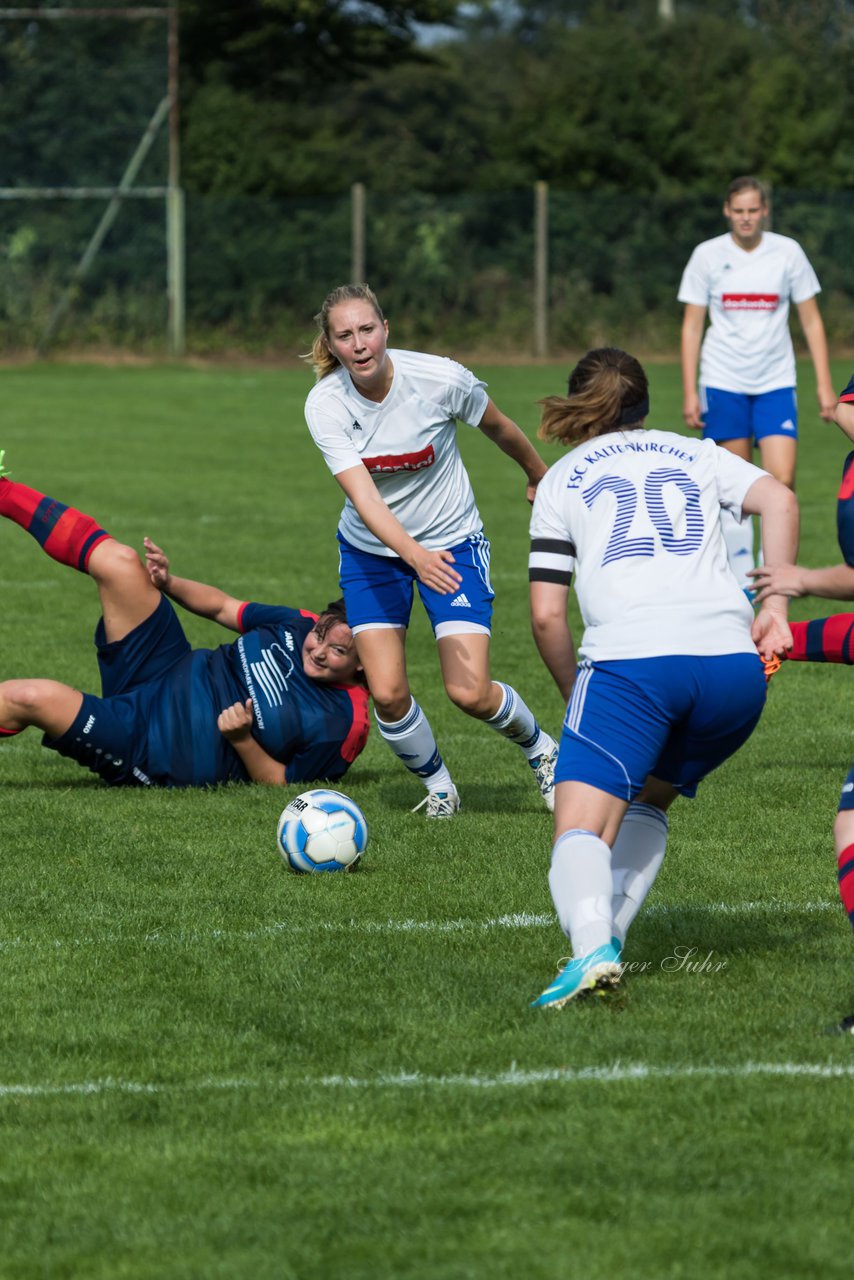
478 797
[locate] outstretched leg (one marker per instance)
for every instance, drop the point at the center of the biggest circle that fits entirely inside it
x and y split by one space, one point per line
75 539
48 705
823 640
401 721
464 657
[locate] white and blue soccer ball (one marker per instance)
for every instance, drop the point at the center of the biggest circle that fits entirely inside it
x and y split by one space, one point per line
322 830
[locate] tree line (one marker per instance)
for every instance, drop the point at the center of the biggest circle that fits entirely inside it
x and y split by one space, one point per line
287 98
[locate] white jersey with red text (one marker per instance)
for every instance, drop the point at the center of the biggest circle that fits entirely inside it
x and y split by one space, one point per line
408 443
747 346
636 515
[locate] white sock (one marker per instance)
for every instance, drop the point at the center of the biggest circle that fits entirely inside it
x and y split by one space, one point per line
635 861
411 739
739 545
514 720
582 886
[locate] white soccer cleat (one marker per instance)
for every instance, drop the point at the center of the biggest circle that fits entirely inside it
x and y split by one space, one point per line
543 766
440 804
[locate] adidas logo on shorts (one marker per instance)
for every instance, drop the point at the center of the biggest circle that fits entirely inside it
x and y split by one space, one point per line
461 601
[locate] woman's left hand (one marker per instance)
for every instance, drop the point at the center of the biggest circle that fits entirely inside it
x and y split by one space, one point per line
434 570
770 632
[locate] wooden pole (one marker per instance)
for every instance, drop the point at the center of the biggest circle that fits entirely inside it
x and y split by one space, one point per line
541 269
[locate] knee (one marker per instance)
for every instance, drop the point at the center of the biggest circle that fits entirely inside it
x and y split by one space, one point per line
475 698
23 699
391 701
843 829
112 559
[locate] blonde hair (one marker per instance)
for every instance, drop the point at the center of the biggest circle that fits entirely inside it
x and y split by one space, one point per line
320 357
607 390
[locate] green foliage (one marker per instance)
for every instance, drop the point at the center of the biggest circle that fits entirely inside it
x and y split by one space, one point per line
210 1068
636 123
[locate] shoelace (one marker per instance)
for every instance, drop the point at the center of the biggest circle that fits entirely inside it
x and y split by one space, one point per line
439 804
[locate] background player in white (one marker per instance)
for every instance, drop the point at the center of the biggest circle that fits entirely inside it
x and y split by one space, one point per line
746 279
385 421
671 681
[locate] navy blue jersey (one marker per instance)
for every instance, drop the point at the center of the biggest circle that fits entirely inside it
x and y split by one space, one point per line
157 721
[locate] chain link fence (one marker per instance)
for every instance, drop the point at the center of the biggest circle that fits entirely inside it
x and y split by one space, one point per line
452 272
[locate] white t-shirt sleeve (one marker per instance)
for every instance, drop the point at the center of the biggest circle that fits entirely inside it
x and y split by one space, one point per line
804 281
327 430
465 396
694 286
735 476
552 553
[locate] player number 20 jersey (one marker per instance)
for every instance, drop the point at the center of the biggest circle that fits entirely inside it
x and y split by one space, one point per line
636 515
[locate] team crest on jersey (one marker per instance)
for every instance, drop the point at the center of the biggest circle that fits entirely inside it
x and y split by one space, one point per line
266 677
392 463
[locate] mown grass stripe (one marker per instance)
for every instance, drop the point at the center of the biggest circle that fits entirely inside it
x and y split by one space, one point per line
515 1077
518 920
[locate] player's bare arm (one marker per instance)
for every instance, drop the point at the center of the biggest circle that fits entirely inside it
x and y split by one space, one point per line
816 339
834 582
511 439
552 635
235 724
434 568
778 508
693 323
196 597
843 416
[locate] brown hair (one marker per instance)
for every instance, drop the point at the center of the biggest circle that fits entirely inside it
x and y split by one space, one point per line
607 390
333 613
320 357
747 182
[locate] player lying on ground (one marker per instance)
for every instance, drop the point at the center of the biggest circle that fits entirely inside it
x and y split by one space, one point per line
671 682
828 639
284 703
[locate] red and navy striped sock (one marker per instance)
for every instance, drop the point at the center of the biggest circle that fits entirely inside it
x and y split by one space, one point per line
846 880
824 640
67 535
8 733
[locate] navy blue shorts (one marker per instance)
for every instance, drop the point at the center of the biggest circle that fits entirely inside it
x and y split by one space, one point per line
378 590
676 718
845 512
110 733
733 415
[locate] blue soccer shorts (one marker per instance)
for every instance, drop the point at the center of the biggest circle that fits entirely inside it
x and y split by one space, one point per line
733 415
676 718
378 590
846 800
110 734
845 511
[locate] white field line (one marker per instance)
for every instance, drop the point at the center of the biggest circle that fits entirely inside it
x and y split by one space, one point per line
517 920
515 1077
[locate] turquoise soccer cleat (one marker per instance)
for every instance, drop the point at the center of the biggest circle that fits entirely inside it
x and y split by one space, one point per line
597 971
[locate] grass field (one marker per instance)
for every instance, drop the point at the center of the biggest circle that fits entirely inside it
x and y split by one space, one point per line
212 1068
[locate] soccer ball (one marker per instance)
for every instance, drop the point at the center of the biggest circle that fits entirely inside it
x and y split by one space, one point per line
322 831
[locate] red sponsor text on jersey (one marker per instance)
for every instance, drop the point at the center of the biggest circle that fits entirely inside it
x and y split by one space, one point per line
750 301
389 463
